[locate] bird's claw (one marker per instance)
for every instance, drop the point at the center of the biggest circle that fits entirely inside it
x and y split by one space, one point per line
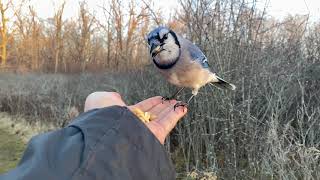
180 104
165 99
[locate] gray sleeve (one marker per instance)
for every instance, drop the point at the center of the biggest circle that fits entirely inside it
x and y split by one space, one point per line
107 143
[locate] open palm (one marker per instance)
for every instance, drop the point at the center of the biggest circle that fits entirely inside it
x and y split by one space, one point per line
166 116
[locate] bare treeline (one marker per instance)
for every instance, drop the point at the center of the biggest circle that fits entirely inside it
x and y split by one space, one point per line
87 43
84 43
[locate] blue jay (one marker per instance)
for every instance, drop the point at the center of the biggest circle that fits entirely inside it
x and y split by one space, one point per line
182 63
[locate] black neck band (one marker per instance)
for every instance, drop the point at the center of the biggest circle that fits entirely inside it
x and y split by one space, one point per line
175 38
167 66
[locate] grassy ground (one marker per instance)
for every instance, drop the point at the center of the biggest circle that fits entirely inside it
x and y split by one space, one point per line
11 147
14 135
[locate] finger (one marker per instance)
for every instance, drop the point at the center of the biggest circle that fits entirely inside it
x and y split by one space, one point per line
158 109
169 121
165 109
148 104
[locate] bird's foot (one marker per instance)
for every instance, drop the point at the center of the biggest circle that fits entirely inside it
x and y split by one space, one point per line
180 104
166 99
174 96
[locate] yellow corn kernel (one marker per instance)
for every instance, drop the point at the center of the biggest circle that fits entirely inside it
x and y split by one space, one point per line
137 111
147 115
143 116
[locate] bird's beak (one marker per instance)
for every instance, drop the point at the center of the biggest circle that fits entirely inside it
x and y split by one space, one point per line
155 49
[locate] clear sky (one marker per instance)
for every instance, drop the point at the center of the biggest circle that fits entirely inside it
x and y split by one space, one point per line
281 8
277 8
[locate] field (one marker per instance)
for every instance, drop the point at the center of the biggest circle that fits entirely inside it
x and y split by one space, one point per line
11 147
270 130
15 132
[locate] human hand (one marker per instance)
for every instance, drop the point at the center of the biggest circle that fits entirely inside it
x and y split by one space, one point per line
166 117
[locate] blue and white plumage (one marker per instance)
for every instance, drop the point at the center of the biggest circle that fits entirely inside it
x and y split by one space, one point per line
181 62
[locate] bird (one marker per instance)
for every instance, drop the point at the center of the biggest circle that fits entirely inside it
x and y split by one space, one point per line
182 63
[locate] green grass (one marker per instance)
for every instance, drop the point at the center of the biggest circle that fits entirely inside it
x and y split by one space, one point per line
11 149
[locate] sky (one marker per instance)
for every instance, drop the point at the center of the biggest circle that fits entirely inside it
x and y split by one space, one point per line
281 8
276 8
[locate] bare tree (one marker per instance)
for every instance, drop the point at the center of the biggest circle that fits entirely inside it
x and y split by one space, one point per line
4 32
133 38
35 40
85 26
117 18
58 37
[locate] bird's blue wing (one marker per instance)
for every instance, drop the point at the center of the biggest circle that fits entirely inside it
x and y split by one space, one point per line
203 61
198 56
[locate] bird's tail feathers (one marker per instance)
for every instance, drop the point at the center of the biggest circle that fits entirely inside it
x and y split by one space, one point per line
222 84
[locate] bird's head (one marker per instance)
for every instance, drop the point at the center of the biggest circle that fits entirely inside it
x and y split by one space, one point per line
164 47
